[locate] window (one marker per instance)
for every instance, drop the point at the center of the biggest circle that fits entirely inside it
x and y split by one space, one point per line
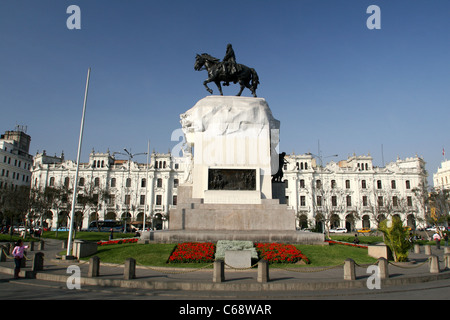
319 201
142 200
349 201
393 184
52 182
334 201
380 201
113 182
302 183
174 200
175 183
408 184
159 183
363 184
409 201
379 186
333 184
394 201
81 182
364 201
66 182
347 184
143 183
302 201
128 182
97 182
318 184
127 199
158 199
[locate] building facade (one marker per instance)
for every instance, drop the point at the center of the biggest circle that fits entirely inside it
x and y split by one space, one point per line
441 179
353 193
15 161
121 189
350 193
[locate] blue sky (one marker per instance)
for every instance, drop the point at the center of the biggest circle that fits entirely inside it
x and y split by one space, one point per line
325 75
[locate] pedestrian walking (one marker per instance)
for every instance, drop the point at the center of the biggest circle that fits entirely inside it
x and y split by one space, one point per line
446 239
18 254
437 238
356 239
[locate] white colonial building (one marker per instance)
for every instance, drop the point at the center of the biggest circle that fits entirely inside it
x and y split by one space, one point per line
350 193
123 189
353 193
15 162
441 179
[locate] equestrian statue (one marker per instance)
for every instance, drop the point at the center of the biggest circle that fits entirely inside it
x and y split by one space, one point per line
227 71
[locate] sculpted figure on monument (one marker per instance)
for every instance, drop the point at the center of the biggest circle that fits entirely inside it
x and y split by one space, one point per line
227 71
278 177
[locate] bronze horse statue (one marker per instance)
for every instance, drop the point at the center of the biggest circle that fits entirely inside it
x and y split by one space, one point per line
247 77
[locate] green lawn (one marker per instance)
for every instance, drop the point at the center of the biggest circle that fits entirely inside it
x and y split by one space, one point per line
158 254
334 254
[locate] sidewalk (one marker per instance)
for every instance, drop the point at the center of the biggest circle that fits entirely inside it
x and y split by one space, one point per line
156 278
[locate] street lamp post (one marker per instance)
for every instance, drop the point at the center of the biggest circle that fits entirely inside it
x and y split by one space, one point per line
130 156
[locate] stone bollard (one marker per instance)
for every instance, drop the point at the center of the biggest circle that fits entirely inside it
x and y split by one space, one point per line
446 249
219 271
349 269
94 267
383 268
438 244
64 244
129 270
434 264
41 245
427 249
416 248
2 254
31 247
447 260
38 262
263 271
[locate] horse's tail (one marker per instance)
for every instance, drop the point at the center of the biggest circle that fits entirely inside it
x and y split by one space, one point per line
255 79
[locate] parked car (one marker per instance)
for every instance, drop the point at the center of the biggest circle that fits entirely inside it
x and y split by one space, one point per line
338 230
442 228
19 228
364 230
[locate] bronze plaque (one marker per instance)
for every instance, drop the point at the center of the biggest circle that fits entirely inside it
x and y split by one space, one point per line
232 179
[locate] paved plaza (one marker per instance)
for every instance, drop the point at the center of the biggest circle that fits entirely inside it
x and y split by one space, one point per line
177 283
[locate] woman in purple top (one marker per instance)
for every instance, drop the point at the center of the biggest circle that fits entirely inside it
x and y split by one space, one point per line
18 256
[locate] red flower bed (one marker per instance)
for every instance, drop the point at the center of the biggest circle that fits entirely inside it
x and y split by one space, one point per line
280 253
346 244
118 241
193 252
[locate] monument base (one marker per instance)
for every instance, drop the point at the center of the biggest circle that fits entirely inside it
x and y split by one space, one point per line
194 214
293 237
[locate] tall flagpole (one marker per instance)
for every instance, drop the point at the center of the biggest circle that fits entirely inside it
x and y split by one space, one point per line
74 197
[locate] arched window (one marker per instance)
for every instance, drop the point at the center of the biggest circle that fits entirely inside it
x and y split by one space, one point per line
52 182
66 182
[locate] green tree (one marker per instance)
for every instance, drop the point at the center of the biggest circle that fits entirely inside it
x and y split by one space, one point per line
396 238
